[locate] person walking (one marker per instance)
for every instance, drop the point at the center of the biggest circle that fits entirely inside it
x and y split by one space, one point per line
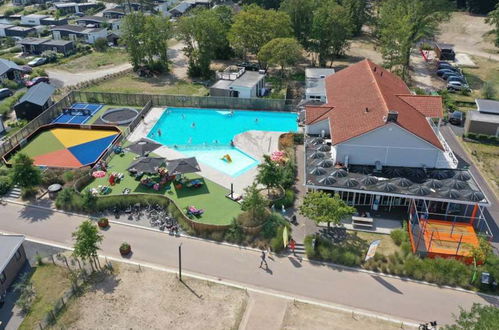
263 260
292 246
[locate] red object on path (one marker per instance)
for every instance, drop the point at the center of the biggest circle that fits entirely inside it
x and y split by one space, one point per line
292 245
111 180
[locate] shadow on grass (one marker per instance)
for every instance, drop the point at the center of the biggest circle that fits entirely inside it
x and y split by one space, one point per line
192 191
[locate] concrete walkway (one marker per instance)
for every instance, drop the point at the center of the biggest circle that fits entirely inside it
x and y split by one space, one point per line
287 274
263 312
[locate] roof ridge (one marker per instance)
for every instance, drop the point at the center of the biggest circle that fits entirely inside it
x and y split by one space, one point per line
380 94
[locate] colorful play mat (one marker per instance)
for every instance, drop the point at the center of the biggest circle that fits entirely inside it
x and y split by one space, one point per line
68 147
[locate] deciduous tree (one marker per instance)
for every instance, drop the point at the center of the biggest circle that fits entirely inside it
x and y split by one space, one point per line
321 207
283 52
493 19
24 173
87 240
254 203
254 26
269 173
301 13
479 317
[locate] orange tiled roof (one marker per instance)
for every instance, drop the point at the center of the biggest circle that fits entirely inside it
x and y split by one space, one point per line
360 97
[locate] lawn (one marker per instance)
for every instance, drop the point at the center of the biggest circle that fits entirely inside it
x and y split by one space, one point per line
210 197
133 84
92 61
49 282
487 158
386 247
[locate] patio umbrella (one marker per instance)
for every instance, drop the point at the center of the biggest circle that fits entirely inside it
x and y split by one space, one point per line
463 176
143 147
328 180
318 171
182 166
369 180
362 169
439 175
350 183
450 193
420 190
317 155
402 182
393 171
326 163
387 186
416 173
146 164
456 184
474 196
99 174
324 147
434 183
317 141
339 173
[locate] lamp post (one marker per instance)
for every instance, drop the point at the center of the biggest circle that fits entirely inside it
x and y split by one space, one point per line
180 262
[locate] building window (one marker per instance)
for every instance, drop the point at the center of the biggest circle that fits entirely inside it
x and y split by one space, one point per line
3 278
18 255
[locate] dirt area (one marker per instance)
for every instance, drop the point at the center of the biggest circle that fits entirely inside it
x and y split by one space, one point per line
360 48
148 299
469 34
304 316
386 247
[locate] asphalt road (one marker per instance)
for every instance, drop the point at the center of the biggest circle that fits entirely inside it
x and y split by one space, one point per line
289 275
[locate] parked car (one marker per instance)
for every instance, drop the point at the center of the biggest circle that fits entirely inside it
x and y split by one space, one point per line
456 118
457 86
5 92
444 65
456 78
441 72
37 80
37 61
447 75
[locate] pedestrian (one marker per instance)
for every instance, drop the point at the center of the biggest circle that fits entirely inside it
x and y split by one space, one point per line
292 245
263 260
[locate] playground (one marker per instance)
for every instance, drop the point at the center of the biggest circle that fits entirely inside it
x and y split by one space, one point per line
208 196
68 146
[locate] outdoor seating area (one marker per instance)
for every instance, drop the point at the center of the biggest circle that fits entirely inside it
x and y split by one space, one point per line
131 173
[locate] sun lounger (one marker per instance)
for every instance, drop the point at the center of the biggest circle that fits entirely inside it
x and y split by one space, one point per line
194 211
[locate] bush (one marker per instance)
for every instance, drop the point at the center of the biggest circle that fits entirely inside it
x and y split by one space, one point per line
235 233
68 176
399 236
52 176
217 236
5 184
287 200
273 222
471 136
50 55
288 174
10 84
100 45
103 222
28 192
277 243
298 138
406 248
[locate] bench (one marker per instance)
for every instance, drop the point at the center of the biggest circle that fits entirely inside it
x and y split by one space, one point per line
363 221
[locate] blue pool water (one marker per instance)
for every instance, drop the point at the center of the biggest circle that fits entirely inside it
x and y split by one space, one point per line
207 133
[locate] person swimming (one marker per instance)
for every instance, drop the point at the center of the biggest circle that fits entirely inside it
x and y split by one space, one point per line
256 120
159 132
193 125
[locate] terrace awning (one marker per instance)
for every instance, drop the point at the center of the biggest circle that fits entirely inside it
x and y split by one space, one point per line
143 146
182 166
148 165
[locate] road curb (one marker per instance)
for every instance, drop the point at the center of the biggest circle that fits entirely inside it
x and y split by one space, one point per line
251 288
282 255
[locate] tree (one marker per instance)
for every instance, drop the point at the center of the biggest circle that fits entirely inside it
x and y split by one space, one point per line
478 318
280 51
358 13
269 173
87 239
254 203
480 6
301 16
24 173
401 24
331 29
100 45
146 40
254 26
89 201
488 90
493 19
267 4
204 32
322 207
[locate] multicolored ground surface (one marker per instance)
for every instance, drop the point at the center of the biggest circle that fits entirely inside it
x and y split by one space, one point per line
68 147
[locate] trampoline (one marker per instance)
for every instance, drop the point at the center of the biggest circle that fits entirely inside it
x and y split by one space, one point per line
78 113
118 116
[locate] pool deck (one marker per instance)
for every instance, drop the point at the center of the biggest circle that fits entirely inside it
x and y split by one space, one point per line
254 143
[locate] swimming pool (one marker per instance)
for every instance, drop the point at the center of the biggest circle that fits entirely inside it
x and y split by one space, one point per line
207 133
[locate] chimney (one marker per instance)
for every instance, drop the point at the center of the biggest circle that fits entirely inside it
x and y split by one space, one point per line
374 69
392 116
381 74
367 110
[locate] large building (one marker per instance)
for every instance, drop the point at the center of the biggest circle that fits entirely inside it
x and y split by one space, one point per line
12 259
379 147
485 120
238 82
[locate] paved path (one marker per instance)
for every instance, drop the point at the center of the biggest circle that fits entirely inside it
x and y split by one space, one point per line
263 312
63 78
492 212
290 275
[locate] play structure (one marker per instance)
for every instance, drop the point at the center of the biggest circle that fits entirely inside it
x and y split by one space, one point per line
66 145
452 234
226 158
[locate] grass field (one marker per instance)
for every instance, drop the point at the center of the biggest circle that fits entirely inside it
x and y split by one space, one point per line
92 61
132 84
386 247
487 158
49 283
210 197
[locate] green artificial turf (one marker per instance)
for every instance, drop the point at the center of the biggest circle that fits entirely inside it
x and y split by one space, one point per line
218 209
43 143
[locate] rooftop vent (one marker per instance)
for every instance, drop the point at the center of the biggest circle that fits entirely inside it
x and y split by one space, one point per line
392 116
374 69
367 110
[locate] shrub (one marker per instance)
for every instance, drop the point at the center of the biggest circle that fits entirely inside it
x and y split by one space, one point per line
235 233
288 174
52 176
273 222
28 192
103 222
277 243
217 236
68 176
100 45
406 248
287 200
10 84
50 55
5 184
399 236
471 136
298 138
